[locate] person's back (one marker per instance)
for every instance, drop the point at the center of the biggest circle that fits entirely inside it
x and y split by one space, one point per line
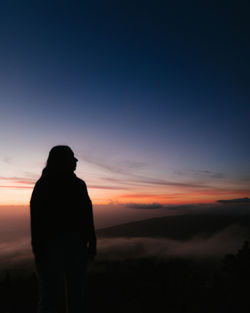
62 231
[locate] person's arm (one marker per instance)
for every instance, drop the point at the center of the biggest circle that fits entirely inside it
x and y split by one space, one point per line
90 227
35 220
92 235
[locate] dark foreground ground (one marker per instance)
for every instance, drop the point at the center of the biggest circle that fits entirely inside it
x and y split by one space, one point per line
147 285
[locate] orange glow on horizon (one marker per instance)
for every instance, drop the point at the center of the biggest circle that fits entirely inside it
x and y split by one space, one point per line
23 199
16 191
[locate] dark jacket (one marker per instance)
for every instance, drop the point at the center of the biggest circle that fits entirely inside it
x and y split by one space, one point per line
59 205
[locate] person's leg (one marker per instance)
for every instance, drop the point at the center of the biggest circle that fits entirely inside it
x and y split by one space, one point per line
75 273
51 285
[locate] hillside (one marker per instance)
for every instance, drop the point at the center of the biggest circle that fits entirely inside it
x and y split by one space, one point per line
182 227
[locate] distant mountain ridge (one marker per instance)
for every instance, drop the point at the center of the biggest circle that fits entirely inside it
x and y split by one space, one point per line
179 227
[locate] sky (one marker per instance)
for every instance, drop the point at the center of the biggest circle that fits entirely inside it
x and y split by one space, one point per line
152 96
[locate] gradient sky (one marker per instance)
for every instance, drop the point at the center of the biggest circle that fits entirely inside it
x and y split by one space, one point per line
152 97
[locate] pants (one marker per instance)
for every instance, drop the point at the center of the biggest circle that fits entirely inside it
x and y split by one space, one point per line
62 275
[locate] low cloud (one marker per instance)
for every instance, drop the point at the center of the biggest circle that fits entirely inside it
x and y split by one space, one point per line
235 201
227 241
15 252
217 245
15 243
145 206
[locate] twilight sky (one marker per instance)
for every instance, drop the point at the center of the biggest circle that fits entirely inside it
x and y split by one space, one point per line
152 96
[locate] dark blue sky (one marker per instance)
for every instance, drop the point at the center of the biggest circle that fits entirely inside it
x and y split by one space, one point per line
165 83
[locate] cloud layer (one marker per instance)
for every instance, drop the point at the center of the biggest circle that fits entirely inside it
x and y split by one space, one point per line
235 201
226 241
217 245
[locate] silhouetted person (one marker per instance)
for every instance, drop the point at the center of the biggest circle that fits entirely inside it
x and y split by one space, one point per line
62 232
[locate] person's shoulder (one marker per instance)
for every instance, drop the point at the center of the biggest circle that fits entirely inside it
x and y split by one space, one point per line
81 182
39 182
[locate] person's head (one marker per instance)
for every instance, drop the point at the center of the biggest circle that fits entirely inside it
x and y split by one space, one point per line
61 159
